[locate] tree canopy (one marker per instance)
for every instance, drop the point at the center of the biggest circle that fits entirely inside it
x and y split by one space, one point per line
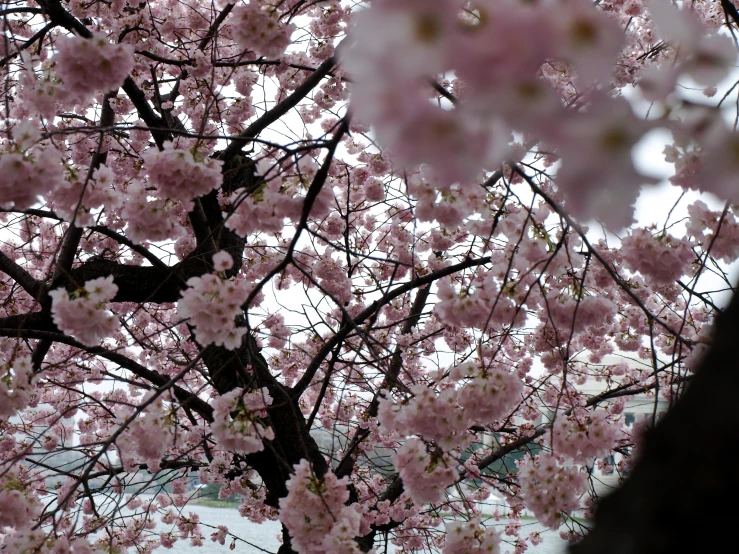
231 229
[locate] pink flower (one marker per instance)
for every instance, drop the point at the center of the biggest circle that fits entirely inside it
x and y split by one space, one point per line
482 307
178 175
167 540
598 176
702 225
87 66
147 438
470 538
434 417
27 176
259 30
16 379
212 304
237 425
585 435
220 535
279 332
455 144
589 39
17 508
148 218
83 314
222 261
374 190
425 476
706 58
589 311
314 512
550 488
422 31
333 279
661 260
489 394
267 213
40 95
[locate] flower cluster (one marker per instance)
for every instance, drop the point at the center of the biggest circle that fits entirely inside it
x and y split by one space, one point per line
18 504
278 331
39 95
80 200
434 417
265 211
550 488
38 541
260 30
490 393
148 218
469 537
482 308
16 378
87 66
220 535
333 279
212 303
237 421
425 475
181 174
570 314
661 260
584 435
26 176
705 58
703 225
147 438
487 394
222 261
422 39
314 512
526 87
82 314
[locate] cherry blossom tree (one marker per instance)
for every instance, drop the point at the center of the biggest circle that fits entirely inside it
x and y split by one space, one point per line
231 229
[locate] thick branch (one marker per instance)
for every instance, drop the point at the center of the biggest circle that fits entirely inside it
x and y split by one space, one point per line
269 117
154 122
138 283
20 276
39 321
730 10
58 15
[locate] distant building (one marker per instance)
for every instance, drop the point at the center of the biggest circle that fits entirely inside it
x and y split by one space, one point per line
605 473
638 407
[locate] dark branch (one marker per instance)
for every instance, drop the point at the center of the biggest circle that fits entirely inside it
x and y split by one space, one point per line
20 276
373 308
184 397
269 117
